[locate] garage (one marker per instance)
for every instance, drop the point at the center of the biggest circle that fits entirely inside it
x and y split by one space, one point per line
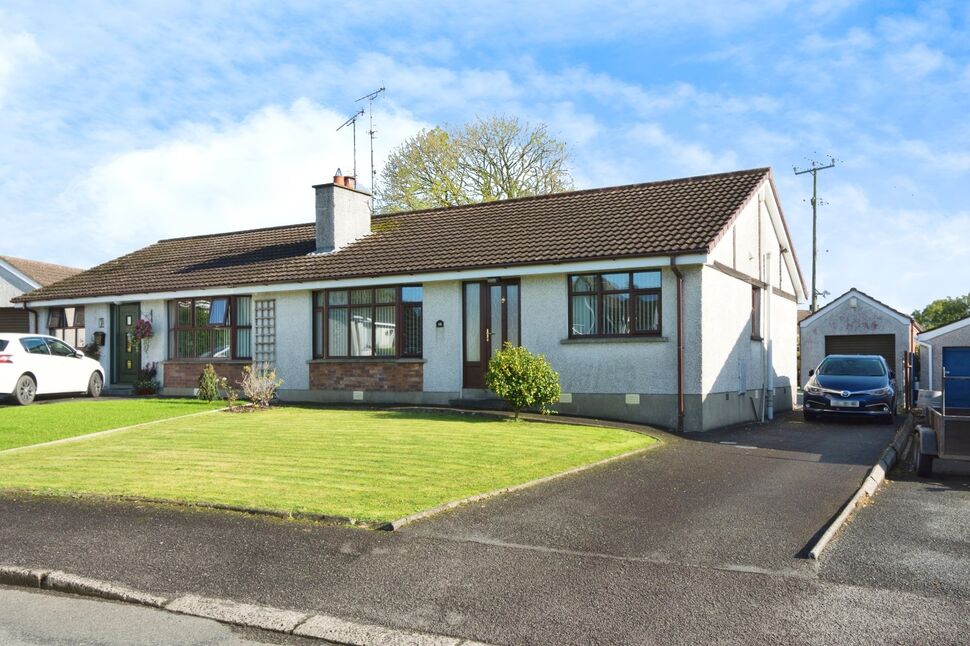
883 345
856 323
956 367
14 319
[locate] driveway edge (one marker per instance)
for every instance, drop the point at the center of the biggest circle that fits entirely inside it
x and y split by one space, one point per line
427 513
868 488
277 620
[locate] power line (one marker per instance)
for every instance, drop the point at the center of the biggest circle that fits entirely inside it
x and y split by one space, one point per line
370 109
814 169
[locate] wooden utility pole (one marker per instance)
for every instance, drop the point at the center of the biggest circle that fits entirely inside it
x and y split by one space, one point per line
814 169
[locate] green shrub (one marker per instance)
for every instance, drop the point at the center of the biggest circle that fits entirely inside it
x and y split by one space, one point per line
208 383
523 379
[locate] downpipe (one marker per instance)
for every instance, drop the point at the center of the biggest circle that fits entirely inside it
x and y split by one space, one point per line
680 344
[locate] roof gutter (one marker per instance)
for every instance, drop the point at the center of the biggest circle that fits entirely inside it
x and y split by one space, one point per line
680 343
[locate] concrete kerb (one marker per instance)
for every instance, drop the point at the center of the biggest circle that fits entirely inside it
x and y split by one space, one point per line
278 620
873 480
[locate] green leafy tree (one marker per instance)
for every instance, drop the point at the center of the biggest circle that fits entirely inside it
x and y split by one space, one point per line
523 379
943 311
488 159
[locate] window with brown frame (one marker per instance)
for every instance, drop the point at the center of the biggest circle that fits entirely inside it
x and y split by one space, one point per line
368 322
67 324
216 328
756 313
615 304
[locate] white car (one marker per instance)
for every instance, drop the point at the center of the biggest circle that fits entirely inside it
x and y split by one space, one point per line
37 364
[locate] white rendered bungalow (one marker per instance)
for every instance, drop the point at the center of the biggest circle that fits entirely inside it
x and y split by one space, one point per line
671 303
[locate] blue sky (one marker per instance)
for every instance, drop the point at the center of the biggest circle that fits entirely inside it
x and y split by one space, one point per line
123 123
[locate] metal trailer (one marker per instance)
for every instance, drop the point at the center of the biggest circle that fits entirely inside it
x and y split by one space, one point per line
948 435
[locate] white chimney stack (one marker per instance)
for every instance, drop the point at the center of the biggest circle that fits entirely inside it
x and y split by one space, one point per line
343 213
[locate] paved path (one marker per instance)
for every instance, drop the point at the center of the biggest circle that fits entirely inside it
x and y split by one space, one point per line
28 617
695 542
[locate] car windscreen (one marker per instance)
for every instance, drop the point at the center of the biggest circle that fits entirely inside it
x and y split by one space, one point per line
852 367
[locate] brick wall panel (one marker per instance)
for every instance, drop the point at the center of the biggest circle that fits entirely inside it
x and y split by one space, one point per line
367 375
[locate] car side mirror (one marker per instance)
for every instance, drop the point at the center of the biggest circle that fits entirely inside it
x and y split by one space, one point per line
78 354
811 372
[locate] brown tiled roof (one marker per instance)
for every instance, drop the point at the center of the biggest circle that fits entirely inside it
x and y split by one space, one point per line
44 273
658 218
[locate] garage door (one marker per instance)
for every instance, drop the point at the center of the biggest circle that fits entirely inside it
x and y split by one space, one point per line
882 344
13 319
956 363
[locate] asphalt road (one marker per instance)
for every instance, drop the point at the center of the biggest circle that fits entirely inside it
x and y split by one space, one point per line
695 542
31 617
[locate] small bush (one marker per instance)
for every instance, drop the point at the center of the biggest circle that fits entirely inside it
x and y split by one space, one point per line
229 393
145 382
259 384
208 384
523 379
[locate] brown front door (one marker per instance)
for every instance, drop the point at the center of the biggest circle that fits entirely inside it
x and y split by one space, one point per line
491 318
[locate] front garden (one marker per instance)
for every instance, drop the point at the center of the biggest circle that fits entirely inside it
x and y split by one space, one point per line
363 464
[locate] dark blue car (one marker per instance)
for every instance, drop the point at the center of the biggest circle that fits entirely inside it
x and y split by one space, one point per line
851 384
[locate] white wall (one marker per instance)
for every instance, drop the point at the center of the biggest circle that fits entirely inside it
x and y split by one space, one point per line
612 366
294 336
442 346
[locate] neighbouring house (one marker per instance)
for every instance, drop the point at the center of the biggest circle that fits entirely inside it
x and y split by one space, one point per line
946 350
19 275
856 323
670 303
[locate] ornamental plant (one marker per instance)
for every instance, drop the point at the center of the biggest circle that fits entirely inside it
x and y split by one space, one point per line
523 379
208 384
259 384
146 382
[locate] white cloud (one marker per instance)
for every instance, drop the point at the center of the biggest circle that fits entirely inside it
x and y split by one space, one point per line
16 49
687 157
916 62
254 173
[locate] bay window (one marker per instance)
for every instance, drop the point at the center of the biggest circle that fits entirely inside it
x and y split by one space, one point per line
210 328
372 322
615 304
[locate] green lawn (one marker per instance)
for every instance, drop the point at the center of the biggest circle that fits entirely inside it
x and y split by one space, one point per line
368 465
24 425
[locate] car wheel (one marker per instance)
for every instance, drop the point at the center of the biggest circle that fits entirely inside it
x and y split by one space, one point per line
924 463
95 384
809 416
25 390
889 419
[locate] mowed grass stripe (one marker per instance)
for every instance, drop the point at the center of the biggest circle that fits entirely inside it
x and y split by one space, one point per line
370 465
27 425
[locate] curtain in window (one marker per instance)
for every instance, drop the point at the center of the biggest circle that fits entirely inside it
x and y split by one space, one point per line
244 322
584 314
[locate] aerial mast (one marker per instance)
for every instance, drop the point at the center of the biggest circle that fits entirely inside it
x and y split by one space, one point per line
370 114
352 121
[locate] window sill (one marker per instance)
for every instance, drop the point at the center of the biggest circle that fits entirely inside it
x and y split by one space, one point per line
614 339
369 360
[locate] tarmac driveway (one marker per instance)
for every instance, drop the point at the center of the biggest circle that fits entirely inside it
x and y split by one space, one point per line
751 497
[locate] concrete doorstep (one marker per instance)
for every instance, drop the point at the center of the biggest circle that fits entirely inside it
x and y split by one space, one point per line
332 629
874 479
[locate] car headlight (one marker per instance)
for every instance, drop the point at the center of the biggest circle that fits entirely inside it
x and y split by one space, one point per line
880 391
813 390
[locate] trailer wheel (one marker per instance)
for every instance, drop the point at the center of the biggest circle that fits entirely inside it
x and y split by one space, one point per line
924 462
